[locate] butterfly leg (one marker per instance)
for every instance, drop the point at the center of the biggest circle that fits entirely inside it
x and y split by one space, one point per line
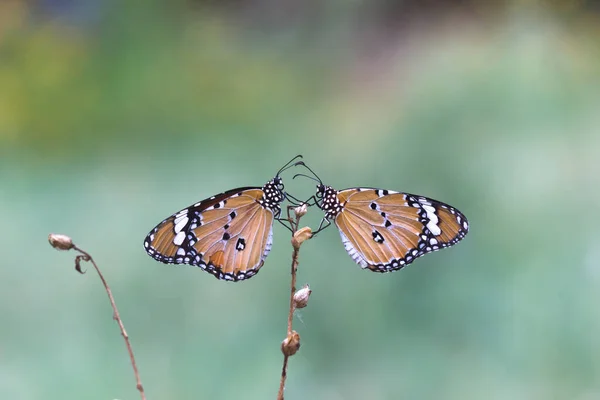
308 201
285 222
321 227
290 222
296 202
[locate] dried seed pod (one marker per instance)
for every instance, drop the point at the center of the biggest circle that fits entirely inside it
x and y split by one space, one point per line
290 344
300 236
301 210
301 297
60 242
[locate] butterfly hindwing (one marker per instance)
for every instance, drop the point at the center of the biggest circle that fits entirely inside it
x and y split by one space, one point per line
384 230
242 243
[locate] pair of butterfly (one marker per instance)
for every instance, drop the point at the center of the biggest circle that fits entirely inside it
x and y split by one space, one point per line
230 235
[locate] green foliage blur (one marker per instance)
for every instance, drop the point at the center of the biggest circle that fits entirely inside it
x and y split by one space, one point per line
114 115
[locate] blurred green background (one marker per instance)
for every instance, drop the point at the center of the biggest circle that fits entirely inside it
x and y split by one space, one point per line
113 115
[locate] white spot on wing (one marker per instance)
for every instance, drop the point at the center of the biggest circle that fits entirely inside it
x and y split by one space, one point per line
429 209
178 240
432 225
180 223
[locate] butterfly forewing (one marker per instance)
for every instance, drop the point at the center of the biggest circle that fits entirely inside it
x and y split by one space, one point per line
384 230
228 235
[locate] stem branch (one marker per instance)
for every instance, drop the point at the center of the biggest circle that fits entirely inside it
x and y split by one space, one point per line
117 317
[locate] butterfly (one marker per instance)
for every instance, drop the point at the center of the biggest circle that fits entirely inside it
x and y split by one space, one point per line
383 230
228 235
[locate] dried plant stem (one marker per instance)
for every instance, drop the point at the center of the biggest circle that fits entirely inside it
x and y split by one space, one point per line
290 320
283 376
292 289
87 257
291 335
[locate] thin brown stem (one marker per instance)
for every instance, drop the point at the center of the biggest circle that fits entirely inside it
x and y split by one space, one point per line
117 317
283 376
292 289
294 268
290 321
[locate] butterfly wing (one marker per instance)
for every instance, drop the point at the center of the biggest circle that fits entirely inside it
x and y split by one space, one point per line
384 230
228 235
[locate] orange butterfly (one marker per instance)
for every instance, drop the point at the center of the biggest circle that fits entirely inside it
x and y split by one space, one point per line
228 235
384 230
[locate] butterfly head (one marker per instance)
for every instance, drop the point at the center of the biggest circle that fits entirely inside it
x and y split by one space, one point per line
273 190
326 197
321 192
327 200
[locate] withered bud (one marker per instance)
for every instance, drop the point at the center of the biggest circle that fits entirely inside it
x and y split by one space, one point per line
301 210
300 236
60 242
290 344
78 263
301 297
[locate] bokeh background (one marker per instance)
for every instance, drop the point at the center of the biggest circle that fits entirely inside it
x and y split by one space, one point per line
115 114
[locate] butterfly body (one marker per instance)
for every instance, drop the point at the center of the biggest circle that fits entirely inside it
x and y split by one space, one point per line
383 230
228 235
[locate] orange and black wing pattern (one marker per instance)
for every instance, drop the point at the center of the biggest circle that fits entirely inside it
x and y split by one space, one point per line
228 235
384 230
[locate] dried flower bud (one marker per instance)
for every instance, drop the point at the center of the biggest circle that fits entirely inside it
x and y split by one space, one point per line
78 263
301 297
290 344
60 242
300 236
301 210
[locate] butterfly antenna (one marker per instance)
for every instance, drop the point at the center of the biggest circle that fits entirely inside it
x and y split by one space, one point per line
289 164
315 177
306 176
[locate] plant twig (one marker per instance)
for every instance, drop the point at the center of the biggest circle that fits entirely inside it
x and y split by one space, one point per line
62 242
291 344
283 376
289 323
292 289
